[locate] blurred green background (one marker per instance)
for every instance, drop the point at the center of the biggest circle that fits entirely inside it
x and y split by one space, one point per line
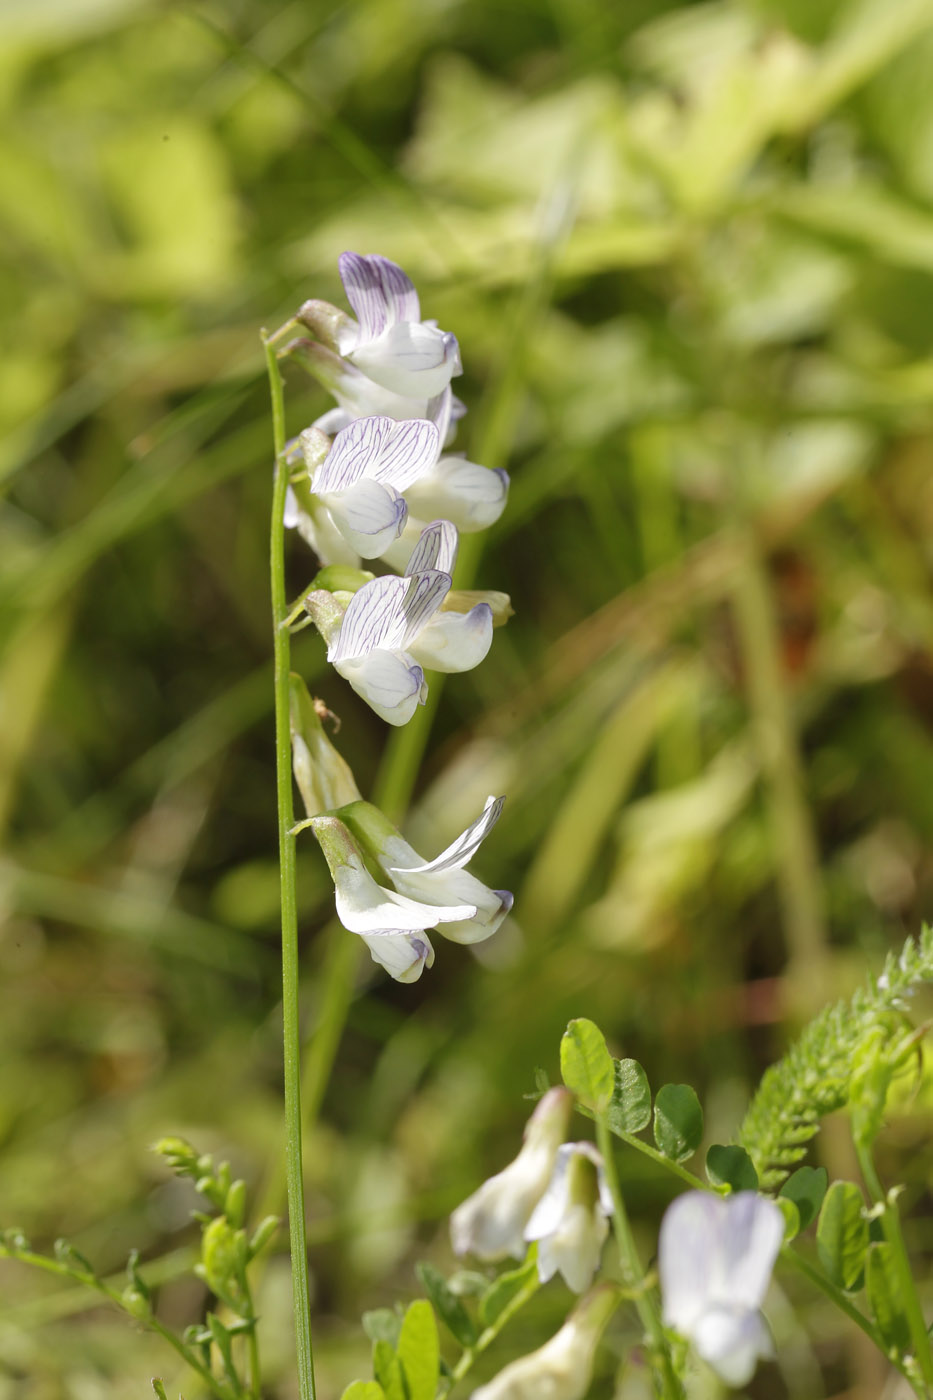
688 253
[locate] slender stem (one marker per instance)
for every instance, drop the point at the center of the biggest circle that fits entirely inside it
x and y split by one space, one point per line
633 1274
487 1337
286 815
891 1225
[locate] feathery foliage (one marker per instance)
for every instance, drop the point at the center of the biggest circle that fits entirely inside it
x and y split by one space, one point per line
815 1076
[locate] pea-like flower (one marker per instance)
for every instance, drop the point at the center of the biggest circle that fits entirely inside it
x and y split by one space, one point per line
395 626
715 1258
389 341
442 881
571 1220
491 1223
563 1367
360 484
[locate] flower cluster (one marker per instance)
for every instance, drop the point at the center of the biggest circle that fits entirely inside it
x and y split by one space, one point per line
372 480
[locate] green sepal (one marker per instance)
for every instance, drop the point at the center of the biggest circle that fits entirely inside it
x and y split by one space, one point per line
678 1121
341 578
447 1305
842 1235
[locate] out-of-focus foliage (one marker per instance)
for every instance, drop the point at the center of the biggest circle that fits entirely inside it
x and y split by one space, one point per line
688 252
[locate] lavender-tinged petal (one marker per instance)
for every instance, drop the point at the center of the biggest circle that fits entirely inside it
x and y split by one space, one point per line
732 1343
375 618
547 1214
355 449
398 289
390 683
452 641
471 496
464 848
370 516
424 595
410 358
752 1233
403 955
436 549
689 1257
490 913
410 450
365 293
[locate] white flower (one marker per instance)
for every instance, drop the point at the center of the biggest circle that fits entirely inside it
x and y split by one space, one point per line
391 925
442 881
361 480
563 1367
389 342
715 1258
393 627
570 1222
491 1223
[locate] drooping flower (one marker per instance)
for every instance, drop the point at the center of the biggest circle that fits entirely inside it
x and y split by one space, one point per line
715 1258
571 1220
393 627
389 341
491 1223
391 925
442 881
563 1367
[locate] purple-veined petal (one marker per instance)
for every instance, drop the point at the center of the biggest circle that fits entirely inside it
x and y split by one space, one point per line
471 496
403 955
410 449
452 641
368 515
424 595
389 682
363 286
464 848
436 549
398 289
355 448
374 618
410 358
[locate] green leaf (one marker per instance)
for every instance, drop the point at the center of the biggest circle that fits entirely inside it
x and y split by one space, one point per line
364 1390
731 1166
630 1108
447 1305
885 1295
842 1235
382 1325
388 1371
791 1216
678 1121
806 1187
505 1288
586 1065
419 1351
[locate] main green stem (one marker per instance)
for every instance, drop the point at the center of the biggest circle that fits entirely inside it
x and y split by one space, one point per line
632 1271
290 1006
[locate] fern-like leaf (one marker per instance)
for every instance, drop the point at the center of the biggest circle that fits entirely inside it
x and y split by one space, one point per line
814 1077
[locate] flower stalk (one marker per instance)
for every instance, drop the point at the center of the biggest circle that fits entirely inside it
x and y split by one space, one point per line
286 821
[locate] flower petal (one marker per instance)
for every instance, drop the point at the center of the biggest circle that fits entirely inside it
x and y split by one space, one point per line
471 496
368 515
403 955
464 848
374 619
490 913
410 449
365 907
752 1234
426 591
388 682
436 548
355 447
452 641
688 1246
732 1343
410 358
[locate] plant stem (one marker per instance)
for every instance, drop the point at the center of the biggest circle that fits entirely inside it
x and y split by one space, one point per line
891 1225
286 817
487 1337
632 1272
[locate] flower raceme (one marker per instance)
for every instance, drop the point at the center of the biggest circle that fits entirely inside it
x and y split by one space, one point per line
393 922
491 1223
563 1367
395 626
715 1257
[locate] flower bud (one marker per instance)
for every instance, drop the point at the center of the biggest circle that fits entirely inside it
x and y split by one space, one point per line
563 1367
491 1222
324 778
